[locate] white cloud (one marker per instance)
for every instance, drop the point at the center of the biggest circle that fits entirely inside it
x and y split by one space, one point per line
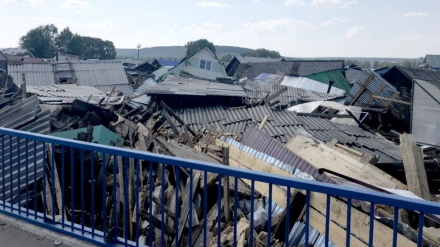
294 3
212 5
30 2
334 3
411 38
416 15
350 33
334 21
284 24
107 26
204 29
75 4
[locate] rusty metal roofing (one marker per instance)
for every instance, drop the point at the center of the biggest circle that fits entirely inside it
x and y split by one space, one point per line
24 115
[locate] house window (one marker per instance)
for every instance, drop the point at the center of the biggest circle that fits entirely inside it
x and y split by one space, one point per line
205 64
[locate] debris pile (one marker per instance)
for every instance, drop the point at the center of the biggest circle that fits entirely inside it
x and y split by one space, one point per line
283 127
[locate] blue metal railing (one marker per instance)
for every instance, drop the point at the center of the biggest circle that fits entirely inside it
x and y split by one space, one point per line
108 195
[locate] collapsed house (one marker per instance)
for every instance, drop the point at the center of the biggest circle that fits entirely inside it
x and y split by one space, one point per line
299 119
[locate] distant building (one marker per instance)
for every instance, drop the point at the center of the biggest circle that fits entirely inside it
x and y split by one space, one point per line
65 57
431 62
146 67
237 60
3 61
17 52
203 65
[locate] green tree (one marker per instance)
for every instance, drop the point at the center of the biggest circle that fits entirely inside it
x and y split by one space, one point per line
192 47
44 41
261 52
40 41
226 58
376 64
63 40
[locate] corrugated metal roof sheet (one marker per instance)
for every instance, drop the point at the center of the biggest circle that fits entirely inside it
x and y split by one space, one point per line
69 92
257 91
309 84
36 74
25 116
190 86
99 74
331 75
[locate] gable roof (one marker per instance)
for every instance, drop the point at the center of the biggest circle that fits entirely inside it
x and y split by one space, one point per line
3 56
331 75
432 60
430 76
300 67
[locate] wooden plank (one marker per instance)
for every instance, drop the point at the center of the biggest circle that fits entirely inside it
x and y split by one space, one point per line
321 156
168 118
274 95
360 222
377 92
185 210
225 185
177 118
414 166
263 122
389 100
58 195
337 235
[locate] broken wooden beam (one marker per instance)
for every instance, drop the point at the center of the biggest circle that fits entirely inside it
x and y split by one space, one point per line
415 172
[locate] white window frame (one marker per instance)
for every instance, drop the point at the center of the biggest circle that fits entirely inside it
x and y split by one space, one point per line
204 64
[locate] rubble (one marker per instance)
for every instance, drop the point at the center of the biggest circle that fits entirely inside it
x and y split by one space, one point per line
245 126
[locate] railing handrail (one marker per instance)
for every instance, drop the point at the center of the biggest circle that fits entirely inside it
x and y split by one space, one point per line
313 186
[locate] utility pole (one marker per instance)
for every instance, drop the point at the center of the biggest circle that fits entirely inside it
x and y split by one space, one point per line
139 45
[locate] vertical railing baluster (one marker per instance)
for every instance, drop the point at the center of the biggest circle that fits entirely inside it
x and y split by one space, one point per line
104 194
176 219
44 181
327 221
219 210
35 180
10 175
371 235
83 181
115 185
420 229
307 221
72 190
126 206
287 230
348 228
150 206
395 226
138 173
205 206
235 209
18 175
190 204
269 216
92 190
251 237
62 186
52 191
3 173
162 225
26 143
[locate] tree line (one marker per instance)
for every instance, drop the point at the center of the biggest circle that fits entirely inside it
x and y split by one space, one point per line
46 41
377 64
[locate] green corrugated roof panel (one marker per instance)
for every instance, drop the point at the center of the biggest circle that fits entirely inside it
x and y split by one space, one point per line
101 135
332 75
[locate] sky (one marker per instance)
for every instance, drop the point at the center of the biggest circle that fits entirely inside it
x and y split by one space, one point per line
295 28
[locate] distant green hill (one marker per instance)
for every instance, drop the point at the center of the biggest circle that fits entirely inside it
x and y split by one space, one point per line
176 52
